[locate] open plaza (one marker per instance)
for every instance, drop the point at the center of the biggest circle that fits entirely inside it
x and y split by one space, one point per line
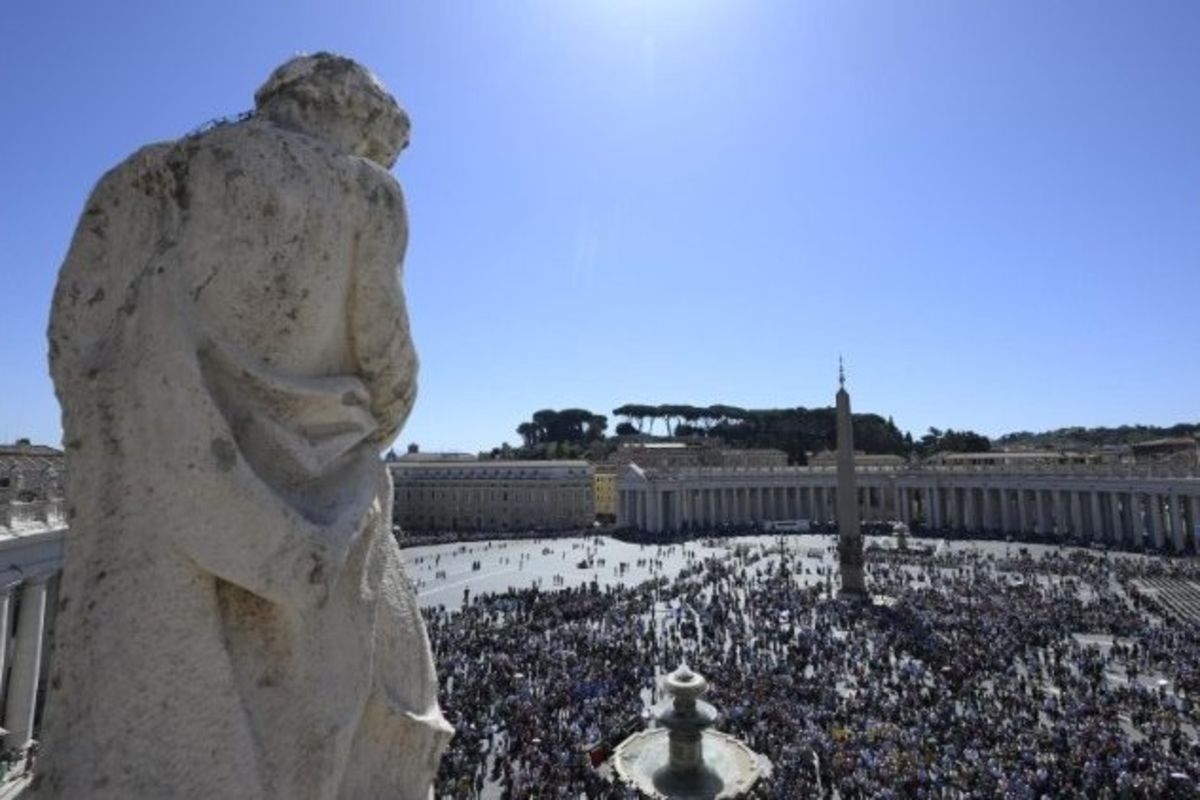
982 669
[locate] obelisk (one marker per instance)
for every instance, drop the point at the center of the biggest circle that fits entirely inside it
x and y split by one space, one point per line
850 540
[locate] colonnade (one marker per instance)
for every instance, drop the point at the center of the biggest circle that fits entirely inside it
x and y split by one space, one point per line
23 606
1131 512
30 566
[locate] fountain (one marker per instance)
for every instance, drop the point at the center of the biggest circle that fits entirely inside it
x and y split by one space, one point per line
682 758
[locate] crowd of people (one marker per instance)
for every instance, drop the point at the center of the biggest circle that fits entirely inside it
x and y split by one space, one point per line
973 675
419 538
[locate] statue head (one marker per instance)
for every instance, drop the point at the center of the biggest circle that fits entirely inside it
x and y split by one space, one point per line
333 98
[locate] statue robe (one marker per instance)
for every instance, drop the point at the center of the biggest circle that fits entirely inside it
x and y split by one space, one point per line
230 346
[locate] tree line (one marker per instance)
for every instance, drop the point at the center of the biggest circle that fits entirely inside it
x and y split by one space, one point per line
1080 438
580 433
795 431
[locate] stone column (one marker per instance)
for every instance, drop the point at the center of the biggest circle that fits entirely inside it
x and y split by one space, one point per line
1137 518
21 701
1154 519
1097 520
5 631
1039 500
1065 522
758 504
928 509
1194 522
988 511
1005 511
1022 511
1177 540
1077 526
1114 516
1194 505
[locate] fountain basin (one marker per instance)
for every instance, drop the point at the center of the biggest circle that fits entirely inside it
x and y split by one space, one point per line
729 770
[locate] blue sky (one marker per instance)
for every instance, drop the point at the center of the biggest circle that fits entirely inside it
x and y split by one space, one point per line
991 209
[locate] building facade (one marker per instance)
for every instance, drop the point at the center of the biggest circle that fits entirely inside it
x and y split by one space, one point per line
1013 458
604 492
482 495
1181 450
1119 504
828 458
694 453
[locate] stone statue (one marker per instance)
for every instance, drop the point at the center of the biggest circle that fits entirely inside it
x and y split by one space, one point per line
230 345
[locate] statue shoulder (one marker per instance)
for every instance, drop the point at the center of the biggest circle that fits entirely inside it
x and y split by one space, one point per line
379 189
133 172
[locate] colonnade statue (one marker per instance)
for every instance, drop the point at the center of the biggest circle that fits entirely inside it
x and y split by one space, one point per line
230 345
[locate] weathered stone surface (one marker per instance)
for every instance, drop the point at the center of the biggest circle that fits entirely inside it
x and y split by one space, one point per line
230 345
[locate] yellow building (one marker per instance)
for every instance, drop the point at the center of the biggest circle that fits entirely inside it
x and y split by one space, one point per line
604 490
437 492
